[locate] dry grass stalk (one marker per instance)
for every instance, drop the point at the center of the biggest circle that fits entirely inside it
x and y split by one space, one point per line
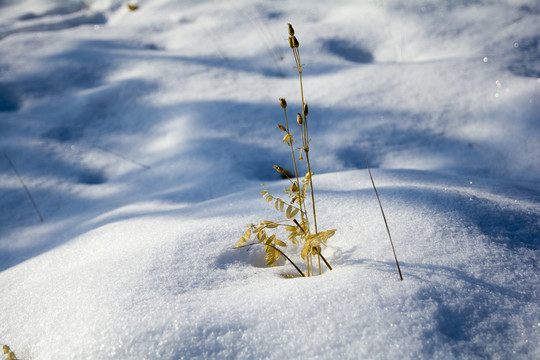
385 222
25 188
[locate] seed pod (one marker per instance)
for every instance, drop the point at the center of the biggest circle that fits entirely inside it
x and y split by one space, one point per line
295 42
278 168
5 348
305 110
299 119
283 103
291 30
282 127
291 42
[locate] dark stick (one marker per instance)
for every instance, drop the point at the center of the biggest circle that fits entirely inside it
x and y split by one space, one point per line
301 228
326 262
319 253
25 188
385 222
273 247
123 157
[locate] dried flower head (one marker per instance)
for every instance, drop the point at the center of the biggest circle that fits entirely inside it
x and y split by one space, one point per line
295 42
291 42
278 168
283 103
299 119
305 110
291 30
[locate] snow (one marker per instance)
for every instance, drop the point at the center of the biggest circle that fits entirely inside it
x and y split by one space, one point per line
143 137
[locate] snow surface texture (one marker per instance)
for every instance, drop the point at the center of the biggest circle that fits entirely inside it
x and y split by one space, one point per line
143 138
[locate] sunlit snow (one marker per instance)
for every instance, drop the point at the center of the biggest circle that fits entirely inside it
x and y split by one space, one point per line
143 137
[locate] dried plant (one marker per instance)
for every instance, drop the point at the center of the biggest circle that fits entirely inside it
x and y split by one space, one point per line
298 219
10 354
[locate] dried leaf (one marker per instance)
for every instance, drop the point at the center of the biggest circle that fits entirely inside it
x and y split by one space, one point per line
304 190
241 242
288 138
261 236
291 212
276 255
323 236
305 251
280 243
270 224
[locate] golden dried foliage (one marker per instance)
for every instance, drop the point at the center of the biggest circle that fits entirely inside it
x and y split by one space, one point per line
10 354
298 220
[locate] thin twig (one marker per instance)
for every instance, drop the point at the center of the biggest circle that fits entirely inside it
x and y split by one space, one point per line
326 262
275 248
319 253
122 157
25 188
303 214
300 226
385 222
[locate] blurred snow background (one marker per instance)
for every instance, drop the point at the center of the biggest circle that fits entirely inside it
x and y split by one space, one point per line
143 137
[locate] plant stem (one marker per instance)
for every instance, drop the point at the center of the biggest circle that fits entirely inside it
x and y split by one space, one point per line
295 168
385 222
326 262
25 188
305 134
312 195
307 262
301 228
281 252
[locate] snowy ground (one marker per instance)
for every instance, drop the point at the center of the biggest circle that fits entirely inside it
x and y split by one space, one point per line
143 138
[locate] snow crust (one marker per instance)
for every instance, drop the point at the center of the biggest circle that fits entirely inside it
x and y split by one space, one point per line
143 138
